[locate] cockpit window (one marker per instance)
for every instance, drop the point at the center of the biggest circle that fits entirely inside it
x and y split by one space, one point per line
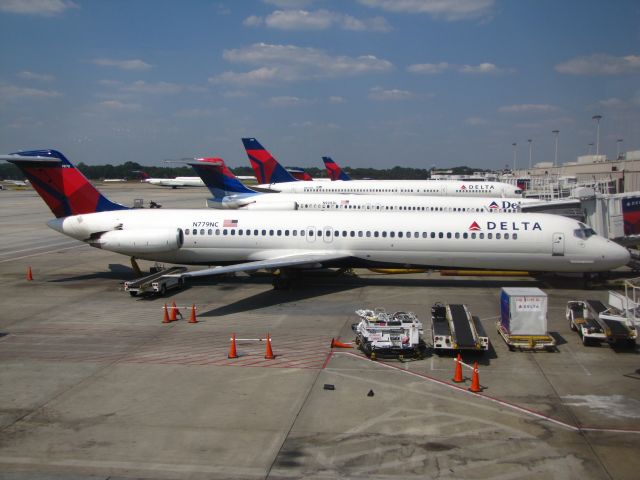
584 232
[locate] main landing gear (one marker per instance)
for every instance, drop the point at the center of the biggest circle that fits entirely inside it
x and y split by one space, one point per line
284 278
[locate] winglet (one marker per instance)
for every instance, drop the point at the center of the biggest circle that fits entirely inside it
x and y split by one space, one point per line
334 170
63 187
265 166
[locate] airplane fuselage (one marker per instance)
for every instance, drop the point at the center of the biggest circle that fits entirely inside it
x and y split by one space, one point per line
447 188
534 242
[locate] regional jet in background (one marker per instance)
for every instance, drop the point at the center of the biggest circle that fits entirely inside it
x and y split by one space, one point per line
229 193
272 176
247 241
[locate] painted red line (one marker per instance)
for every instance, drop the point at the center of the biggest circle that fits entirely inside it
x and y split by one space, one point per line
493 399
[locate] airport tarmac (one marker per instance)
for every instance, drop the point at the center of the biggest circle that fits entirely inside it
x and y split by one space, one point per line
94 385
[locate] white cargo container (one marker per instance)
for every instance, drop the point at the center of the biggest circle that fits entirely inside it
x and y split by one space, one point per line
523 318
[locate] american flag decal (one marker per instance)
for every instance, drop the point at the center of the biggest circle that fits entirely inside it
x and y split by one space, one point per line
230 223
344 202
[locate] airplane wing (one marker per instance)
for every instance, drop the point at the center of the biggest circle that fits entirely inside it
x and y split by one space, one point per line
309 260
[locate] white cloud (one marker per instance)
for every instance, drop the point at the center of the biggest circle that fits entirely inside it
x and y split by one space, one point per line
317 20
612 103
195 113
528 107
40 77
289 63
287 101
447 9
336 99
429 68
600 64
45 8
133 64
118 105
253 21
437 68
379 93
13 92
476 121
483 69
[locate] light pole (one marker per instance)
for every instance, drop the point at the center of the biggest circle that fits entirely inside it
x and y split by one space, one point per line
556 133
530 146
618 142
590 148
515 155
597 118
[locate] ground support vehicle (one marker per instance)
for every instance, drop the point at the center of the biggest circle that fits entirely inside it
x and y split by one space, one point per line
454 328
396 335
584 318
523 319
620 322
159 282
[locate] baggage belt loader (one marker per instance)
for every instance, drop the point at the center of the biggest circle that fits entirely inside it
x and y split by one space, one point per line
382 334
584 317
454 328
158 282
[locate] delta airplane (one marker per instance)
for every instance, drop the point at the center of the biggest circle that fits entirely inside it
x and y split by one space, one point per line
272 176
248 241
229 193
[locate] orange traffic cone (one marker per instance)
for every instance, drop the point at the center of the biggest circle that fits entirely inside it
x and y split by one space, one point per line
269 353
475 381
29 274
232 347
174 311
192 318
336 344
165 318
457 376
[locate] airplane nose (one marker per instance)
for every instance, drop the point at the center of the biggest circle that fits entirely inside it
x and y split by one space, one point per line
616 255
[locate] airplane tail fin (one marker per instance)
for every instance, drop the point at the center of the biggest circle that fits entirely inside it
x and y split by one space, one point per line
334 170
265 166
63 187
299 174
220 181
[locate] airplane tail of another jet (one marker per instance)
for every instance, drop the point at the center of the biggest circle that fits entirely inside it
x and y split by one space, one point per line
220 181
265 166
299 174
63 187
334 170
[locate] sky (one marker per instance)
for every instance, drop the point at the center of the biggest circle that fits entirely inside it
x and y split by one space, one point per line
371 83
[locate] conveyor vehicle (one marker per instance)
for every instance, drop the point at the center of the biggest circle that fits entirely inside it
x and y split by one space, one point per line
454 328
159 282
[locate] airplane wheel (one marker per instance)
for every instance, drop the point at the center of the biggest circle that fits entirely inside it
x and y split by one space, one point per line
133 294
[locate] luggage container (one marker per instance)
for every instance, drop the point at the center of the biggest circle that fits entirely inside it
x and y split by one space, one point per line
523 319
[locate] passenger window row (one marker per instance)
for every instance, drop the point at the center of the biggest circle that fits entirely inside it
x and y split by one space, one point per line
350 233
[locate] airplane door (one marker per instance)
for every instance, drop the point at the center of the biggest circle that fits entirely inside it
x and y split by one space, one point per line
311 234
557 245
327 235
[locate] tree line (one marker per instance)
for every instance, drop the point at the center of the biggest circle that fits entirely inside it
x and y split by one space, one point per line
133 171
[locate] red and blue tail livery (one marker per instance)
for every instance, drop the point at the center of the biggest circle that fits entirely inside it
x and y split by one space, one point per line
63 187
334 170
220 181
265 167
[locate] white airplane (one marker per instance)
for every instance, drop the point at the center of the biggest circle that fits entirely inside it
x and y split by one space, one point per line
229 193
248 241
15 183
272 176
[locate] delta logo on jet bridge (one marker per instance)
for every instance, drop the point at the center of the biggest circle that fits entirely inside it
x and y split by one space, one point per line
502 226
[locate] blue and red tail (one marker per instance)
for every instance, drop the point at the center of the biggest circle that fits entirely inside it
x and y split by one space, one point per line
299 174
334 170
266 168
63 188
220 181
